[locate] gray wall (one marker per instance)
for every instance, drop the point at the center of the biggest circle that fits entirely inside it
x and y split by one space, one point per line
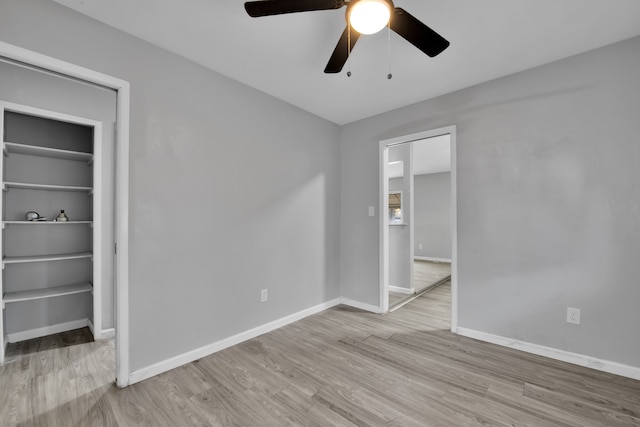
399 244
548 201
231 190
432 215
400 262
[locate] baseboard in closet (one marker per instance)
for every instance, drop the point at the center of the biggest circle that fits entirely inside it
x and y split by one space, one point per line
47 330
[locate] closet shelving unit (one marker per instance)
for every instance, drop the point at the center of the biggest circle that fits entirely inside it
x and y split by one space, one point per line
30 194
55 291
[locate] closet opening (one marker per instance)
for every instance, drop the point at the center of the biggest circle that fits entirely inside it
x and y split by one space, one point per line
52 225
65 136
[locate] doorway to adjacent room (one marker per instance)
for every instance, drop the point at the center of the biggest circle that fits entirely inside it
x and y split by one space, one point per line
418 224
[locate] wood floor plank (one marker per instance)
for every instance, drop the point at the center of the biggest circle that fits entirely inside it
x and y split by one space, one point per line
512 395
347 404
573 404
424 368
189 379
319 415
341 367
425 274
487 411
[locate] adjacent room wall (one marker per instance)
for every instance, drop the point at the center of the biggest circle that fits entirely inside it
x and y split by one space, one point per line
400 262
231 191
548 201
399 241
432 215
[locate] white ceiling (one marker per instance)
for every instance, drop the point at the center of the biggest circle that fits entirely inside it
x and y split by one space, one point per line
285 55
430 155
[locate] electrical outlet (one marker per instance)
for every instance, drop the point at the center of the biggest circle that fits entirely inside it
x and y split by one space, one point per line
573 315
264 295
420 246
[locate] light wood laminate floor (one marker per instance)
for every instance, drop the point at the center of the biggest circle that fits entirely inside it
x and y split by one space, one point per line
425 275
342 367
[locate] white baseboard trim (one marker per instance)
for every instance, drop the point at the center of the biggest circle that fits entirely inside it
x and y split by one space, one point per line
47 330
190 356
553 353
360 305
108 334
400 290
428 258
105 334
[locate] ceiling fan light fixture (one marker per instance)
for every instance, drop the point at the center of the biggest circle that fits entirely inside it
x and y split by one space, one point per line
369 16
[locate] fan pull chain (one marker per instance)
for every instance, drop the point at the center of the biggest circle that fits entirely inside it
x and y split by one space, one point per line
389 75
348 50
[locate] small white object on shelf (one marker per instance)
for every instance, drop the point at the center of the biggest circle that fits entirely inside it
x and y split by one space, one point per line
62 217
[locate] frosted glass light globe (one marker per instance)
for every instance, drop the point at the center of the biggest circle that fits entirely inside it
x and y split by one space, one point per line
369 16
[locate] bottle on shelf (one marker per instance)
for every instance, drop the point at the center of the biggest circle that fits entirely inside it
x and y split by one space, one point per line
62 217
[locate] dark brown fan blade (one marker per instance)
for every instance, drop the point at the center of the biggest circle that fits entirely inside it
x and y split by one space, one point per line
341 52
278 7
418 34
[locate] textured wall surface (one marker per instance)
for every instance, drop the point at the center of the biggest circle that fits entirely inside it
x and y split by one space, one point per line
547 196
432 215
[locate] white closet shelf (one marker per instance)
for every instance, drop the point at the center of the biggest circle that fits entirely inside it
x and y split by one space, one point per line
55 153
47 222
42 258
47 187
56 291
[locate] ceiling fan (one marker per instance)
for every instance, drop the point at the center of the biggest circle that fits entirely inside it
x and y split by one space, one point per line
364 17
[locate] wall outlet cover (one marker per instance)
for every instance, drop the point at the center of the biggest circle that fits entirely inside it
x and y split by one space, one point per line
573 315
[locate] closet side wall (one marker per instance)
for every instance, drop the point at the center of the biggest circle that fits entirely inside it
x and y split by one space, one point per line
42 239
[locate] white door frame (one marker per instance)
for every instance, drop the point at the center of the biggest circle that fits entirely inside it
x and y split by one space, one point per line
122 185
384 220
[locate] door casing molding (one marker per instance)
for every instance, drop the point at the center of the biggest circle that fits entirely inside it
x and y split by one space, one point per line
384 220
122 89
